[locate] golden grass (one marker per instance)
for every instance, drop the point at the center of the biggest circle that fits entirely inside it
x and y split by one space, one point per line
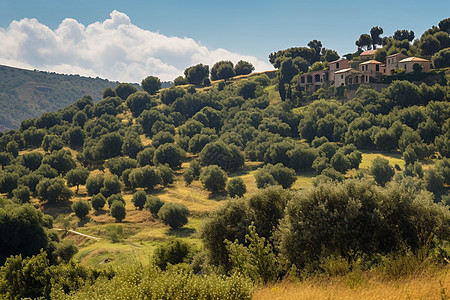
423 287
393 158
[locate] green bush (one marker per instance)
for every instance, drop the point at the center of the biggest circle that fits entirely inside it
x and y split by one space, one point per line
81 208
173 252
153 205
173 214
236 187
98 201
139 199
214 179
118 211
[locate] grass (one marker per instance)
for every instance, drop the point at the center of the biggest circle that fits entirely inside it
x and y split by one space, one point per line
436 286
394 158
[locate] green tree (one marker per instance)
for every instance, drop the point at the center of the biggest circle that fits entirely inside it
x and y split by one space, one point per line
117 165
169 96
173 214
81 208
94 184
22 193
66 250
214 179
98 201
111 186
375 33
123 90
145 157
13 148
236 187
222 70
32 160
153 205
8 182
110 145
60 160
161 138
381 170
118 211
145 177
404 34
364 42
180 80
170 154
173 252
53 190
139 101
166 174
139 199
79 119
109 92
243 68
188 176
151 84
197 74
77 176
441 59
434 181
429 44
132 144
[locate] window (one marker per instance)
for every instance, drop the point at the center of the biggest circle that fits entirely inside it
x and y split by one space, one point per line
317 78
377 68
342 76
302 79
337 65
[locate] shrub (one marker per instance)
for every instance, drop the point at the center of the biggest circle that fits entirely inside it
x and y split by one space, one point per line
188 176
214 179
111 185
381 170
173 252
174 215
65 250
22 193
166 174
98 201
170 154
139 199
118 211
94 184
236 187
53 190
81 208
115 198
153 205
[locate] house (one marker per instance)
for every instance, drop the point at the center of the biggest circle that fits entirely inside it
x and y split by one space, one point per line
337 65
312 81
367 55
409 62
345 77
371 68
392 62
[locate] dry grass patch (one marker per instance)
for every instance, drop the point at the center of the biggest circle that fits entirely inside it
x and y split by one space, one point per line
423 287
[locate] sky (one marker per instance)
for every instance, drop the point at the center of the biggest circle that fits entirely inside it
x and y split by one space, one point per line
129 40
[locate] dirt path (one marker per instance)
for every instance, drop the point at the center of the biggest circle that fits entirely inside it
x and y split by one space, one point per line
79 233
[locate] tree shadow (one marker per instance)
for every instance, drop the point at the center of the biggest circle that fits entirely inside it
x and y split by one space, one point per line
84 221
183 232
218 196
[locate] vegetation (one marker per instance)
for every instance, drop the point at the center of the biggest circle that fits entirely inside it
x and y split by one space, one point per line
244 180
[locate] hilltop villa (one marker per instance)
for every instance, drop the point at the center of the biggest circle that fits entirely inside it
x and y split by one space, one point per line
340 72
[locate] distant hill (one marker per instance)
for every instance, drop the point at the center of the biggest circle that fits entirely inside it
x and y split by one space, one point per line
26 94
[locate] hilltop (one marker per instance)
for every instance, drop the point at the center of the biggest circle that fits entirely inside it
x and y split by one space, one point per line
26 94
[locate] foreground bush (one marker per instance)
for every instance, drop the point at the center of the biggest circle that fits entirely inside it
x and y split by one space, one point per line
138 282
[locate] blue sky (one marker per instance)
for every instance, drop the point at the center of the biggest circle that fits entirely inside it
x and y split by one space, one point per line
253 28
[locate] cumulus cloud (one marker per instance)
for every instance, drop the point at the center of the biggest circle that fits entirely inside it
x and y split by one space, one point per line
114 49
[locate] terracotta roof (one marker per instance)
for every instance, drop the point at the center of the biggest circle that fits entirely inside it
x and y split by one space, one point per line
408 59
371 62
344 70
396 54
368 52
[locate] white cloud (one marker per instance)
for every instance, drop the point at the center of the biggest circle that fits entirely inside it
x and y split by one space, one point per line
114 49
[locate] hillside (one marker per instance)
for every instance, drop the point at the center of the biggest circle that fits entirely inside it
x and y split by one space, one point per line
26 94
